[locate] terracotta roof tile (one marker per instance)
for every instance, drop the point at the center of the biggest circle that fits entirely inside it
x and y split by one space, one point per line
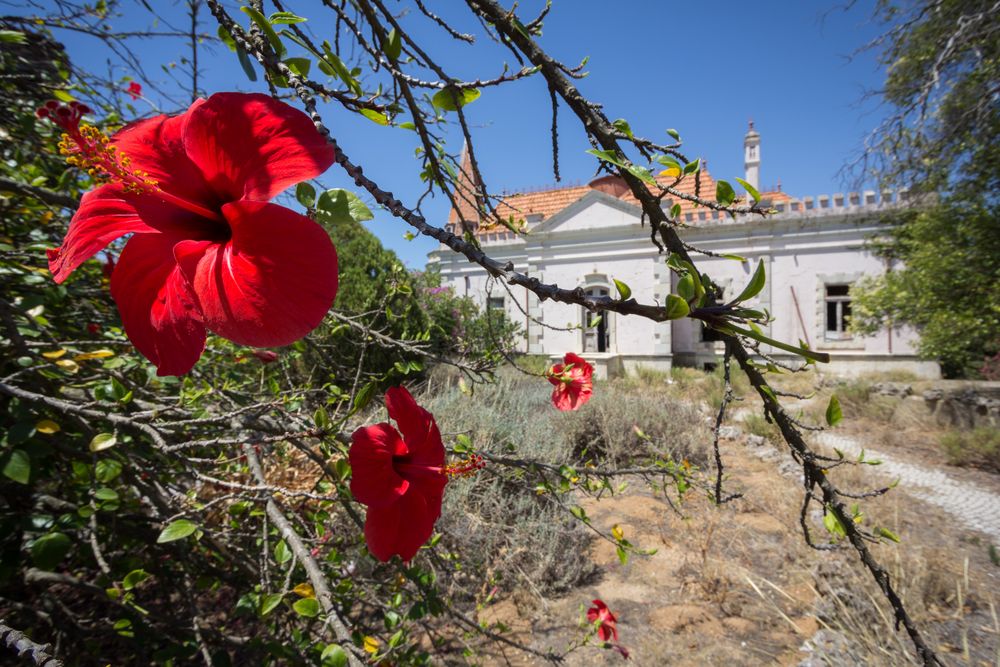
538 206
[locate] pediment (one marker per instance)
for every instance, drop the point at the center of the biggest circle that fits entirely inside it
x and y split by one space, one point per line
594 210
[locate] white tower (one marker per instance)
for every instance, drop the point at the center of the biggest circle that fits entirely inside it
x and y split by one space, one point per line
751 157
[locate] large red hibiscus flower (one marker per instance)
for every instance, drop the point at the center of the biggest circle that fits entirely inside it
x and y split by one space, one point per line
573 380
208 251
400 478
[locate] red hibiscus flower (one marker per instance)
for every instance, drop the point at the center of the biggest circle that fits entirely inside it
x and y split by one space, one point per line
208 251
400 478
608 628
134 90
573 383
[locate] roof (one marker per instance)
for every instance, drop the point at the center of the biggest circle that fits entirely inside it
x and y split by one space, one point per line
539 205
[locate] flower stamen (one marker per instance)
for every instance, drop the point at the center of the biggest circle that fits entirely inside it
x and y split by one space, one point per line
90 150
466 467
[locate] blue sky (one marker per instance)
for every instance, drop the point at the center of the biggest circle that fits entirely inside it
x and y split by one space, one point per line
703 68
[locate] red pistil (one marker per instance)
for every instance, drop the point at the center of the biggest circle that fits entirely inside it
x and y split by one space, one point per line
462 468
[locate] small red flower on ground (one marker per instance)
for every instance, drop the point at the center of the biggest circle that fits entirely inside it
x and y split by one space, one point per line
400 478
93 328
134 90
573 382
608 628
208 251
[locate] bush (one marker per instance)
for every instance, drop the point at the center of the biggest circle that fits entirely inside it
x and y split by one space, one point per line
979 447
501 522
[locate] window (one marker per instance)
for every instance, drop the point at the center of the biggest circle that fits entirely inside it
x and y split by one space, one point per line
838 312
596 333
495 303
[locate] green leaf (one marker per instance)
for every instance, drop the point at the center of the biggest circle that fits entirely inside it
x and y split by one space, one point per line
18 466
822 357
305 193
834 414
622 126
755 285
724 193
299 66
641 173
622 555
609 156
375 116
692 167
285 18
107 470
12 37
49 550
452 99
676 307
226 38
364 397
393 45
266 28
624 291
888 534
282 554
833 525
269 602
308 607
105 494
103 441
333 656
736 258
342 468
177 530
134 578
685 287
338 206
332 65
751 190
674 134
245 63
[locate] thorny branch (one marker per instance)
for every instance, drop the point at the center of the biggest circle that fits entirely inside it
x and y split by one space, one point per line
607 137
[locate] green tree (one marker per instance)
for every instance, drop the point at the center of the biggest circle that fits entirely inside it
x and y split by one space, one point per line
942 140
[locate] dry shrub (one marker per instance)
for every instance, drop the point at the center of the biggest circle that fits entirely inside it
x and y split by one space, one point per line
501 525
979 447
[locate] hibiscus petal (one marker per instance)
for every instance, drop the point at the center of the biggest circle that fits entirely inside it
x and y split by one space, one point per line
420 431
374 481
253 146
580 365
156 147
103 216
382 530
269 285
418 513
157 306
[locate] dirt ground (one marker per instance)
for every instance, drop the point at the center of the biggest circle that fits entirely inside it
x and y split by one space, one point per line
737 585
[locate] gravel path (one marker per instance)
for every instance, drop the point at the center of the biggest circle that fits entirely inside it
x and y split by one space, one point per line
973 505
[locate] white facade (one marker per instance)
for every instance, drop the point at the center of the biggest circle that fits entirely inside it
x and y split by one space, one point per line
812 250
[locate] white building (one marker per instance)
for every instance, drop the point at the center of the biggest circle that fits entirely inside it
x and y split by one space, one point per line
813 250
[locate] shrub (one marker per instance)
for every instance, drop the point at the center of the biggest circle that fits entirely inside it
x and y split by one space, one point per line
979 447
503 525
